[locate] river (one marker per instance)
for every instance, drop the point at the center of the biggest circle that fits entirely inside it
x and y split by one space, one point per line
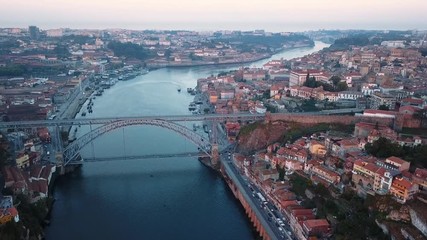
173 198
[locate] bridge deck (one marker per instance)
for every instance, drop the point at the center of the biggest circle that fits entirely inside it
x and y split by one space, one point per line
133 157
171 118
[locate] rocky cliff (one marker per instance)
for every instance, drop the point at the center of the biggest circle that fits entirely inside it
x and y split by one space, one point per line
258 136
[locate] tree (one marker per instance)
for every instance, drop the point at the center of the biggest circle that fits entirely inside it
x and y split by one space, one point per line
129 50
335 80
281 172
421 115
168 53
310 82
384 148
342 86
266 94
383 107
12 70
61 51
309 105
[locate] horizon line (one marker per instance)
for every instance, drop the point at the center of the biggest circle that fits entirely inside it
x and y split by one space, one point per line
219 29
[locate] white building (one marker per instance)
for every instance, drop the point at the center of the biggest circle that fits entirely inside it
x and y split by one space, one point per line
298 77
393 44
350 95
260 109
369 88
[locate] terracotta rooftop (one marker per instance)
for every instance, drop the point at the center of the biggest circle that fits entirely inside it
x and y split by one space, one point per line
313 223
402 182
421 173
374 111
396 160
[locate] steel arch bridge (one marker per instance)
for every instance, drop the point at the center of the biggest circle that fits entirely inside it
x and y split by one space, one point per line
71 152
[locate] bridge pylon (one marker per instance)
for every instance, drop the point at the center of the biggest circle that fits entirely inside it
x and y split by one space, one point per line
60 162
214 155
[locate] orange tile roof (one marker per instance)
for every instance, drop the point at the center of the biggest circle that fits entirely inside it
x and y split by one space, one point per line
374 111
396 160
403 182
421 173
313 223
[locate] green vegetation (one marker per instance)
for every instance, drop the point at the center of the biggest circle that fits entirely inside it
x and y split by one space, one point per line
13 70
297 131
310 81
129 50
309 105
300 184
345 43
79 39
247 129
281 172
415 131
62 51
7 44
335 80
270 43
422 116
271 108
265 95
337 87
341 86
383 107
355 220
384 148
31 216
4 153
364 38
274 41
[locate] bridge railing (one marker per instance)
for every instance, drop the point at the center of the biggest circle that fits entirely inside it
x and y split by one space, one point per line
72 151
108 120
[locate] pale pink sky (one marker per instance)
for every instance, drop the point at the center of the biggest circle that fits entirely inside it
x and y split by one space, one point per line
215 14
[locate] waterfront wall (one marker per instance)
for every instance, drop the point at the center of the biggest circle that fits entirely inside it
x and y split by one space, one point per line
316 119
248 210
418 221
398 123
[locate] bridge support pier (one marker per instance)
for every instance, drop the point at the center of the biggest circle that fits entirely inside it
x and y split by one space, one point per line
215 155
60 162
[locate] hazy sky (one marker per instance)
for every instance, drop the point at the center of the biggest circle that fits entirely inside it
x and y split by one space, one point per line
273 15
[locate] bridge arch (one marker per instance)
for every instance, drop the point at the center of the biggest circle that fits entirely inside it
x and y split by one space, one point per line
71 152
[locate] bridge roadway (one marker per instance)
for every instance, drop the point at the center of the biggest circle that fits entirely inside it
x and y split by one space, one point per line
171 118
147 156
102 121
255 206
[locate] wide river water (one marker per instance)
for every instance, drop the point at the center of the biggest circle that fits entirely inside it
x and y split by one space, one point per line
172 198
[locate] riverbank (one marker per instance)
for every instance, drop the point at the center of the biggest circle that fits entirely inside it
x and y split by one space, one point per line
154 66
78 103
154 191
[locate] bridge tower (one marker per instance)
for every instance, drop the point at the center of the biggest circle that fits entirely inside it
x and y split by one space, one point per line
58 149
60 162
214 143
215 155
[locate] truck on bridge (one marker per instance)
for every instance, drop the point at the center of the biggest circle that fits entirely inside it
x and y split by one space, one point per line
261 197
